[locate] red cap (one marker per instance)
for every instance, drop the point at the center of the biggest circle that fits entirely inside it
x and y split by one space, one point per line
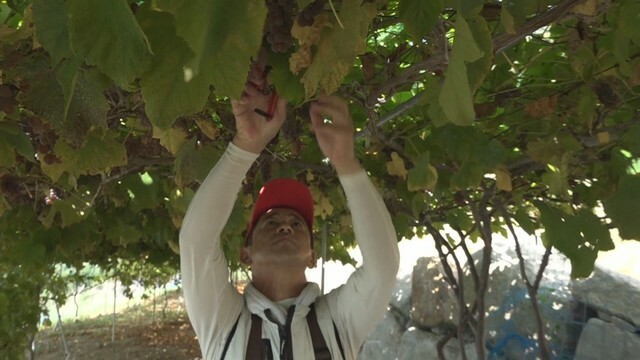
283 193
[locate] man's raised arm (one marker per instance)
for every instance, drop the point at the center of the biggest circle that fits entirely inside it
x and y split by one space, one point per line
361 303
212 303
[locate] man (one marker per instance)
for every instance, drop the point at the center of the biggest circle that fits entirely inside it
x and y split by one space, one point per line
281 315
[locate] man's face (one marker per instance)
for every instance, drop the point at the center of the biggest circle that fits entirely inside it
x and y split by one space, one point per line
282 236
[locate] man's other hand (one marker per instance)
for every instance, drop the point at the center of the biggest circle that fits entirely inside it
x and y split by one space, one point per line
333 126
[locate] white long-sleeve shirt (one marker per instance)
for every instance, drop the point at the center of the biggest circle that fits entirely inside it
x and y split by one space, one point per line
214 305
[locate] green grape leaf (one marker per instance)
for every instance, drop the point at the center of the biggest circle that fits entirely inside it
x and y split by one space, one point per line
477 70
631 140
338 47
167 90
419 16
107 35
513 15
469 8
97 155
423 176
524 221
13 140
468 176
224 36
628 20
456 97
122 234
593 230
579 237
70 211
4 204
145 191
193 164
623 207
52 28
170 6
287 84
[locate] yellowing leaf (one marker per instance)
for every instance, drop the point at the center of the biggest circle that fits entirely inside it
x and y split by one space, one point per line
247 201
309 176
396 167
307 37
171 139
604 137
586 8
338 47
503 180
322 205
207 128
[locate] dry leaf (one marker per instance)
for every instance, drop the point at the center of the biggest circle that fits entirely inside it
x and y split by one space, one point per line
207 128
542 107
307 37
503 180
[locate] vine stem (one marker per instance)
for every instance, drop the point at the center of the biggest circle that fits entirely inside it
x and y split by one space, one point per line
531 289
64 340
333 9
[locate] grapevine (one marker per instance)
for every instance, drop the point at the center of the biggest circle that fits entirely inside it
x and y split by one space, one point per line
278 24
308 14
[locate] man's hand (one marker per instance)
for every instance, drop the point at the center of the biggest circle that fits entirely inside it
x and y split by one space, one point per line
255 131
335 135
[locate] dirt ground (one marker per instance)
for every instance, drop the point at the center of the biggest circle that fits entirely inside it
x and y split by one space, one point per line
136 337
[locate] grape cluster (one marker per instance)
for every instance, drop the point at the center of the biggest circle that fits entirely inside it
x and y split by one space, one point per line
307 16
45 138
277 28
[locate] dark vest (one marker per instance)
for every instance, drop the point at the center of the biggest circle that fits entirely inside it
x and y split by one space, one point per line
260 349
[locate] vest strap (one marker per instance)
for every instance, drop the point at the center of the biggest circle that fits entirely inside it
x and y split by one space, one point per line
254 348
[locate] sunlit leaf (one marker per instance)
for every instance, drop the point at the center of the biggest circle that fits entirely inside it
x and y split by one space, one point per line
456 97
624 206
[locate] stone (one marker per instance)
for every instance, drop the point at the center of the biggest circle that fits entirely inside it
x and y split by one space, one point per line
401 296
431 294
601 340
610 292
511 326
622 325
383 343
420 344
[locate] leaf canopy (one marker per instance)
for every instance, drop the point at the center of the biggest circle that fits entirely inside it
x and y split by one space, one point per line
112 112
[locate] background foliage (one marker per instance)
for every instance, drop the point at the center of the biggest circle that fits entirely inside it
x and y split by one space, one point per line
113 111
